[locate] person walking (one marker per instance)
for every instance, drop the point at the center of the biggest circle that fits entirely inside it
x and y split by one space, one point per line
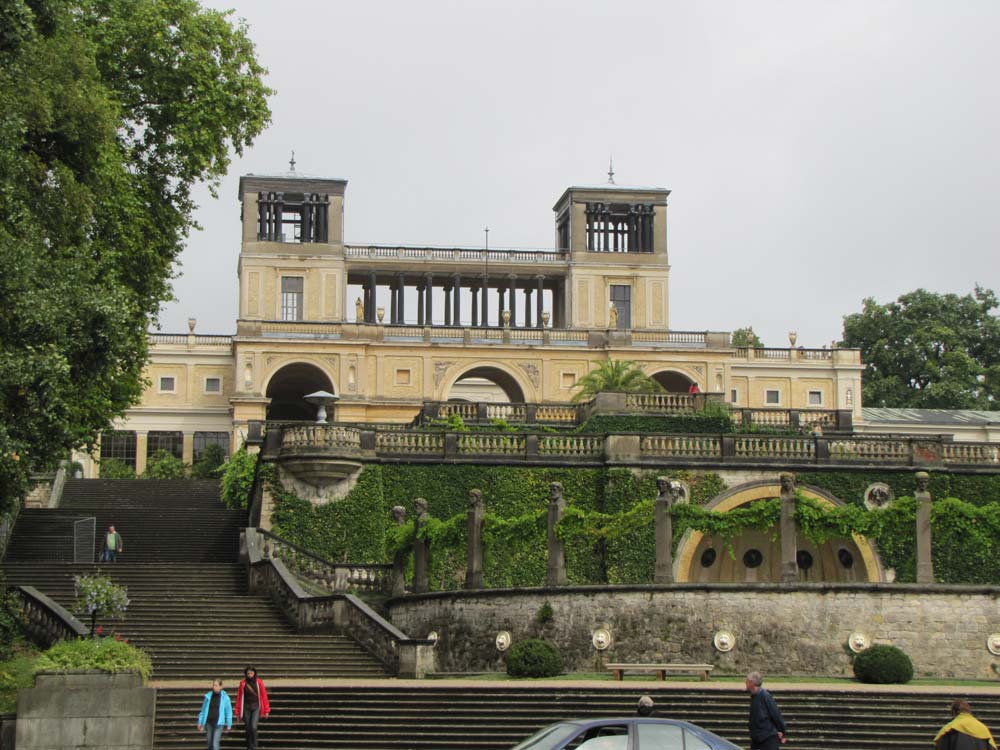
767 727
252 704
113 544
965 731
216 715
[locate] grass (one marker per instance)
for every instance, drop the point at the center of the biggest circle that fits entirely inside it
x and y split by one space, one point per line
15 674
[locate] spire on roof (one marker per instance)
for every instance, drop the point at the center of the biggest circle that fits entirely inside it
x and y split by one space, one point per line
611 171
291 162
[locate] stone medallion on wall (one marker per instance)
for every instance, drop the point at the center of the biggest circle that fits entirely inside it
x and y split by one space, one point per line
878 495
724 641
503 640
601 638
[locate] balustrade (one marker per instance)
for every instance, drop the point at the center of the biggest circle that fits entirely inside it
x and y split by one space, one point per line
659 402
570 445
328 577
47 621
321 436
870 450
771 447
409 443
497 444
681 446
971 454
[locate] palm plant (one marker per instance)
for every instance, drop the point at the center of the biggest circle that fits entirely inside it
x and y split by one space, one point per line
615 375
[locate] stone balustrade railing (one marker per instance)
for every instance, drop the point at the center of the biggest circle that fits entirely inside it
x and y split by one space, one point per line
340 612
47 621
483 412
310 436
660 402
457 254
322 575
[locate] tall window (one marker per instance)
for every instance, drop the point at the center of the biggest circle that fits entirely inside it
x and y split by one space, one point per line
621 298
291 297
203 439
119 444
171 442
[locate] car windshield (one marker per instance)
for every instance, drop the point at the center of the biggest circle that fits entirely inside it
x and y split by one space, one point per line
547 738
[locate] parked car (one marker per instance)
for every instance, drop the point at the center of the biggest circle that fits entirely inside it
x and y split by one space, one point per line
630 733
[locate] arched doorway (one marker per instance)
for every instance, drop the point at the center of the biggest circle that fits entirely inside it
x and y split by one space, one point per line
672 381
287 387
486 383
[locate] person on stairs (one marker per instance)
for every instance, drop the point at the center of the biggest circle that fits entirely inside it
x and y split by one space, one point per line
252 704
113 544
965 731
216 715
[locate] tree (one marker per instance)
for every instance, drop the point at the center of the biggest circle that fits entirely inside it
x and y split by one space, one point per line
113 111
927 350
746 337
617 375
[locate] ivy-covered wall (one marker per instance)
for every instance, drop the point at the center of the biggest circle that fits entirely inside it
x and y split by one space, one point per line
609 528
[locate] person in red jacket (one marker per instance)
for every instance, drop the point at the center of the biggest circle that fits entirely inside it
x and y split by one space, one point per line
252 704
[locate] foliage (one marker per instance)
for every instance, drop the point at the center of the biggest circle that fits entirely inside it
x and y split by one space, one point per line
12 625
17 673
620 375
746 337
237 478
616 424
927 350
210 463
115 468
544 615
164 465
113 112
883 665
453 423
100 594
112 655
534 657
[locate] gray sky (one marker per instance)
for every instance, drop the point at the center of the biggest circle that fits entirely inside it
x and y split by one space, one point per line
818 152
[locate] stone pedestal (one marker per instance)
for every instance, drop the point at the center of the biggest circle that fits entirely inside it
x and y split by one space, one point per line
87 709
474 541
789 564
556 573
421 548
664 571
925 564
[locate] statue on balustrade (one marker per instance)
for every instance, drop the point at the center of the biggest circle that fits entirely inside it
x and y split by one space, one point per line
556 574
421 548
474 540
399 556
612 316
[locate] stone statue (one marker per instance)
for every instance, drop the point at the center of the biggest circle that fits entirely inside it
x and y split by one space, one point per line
789 564
612 316
668 494
399 558
421 548
556 574
925 563
474 541
359 311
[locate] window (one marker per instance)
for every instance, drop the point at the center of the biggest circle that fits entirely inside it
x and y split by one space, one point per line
621 298
204 439
119 444
660 736
567 379
171 442
772 397
213 385
815 398
291 297
402 377
733 396
168 384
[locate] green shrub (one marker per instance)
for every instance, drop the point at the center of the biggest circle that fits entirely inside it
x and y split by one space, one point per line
164 465
544 615
212 459
115 468
883 665
107 654
11 623
534 658
16 674
237 476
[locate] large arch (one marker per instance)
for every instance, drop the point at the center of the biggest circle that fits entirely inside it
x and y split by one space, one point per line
507 381
288 384
693 545
674 381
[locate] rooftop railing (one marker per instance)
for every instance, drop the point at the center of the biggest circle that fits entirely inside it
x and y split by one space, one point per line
455 254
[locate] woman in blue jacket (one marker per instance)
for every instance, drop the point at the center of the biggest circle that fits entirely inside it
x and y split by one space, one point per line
216 715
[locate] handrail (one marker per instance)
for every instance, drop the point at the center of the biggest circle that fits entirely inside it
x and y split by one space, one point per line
329 576
47 620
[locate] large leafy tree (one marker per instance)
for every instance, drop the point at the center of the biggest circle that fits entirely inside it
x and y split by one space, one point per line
746 337
617 375
111 111
929 350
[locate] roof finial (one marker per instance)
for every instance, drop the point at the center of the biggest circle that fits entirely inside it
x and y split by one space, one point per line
291 162
611 171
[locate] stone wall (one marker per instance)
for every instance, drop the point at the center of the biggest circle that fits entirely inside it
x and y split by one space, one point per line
86 710
779 629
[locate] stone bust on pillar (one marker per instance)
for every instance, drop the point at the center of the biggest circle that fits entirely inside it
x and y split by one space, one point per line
556 574
669 493
421 548
925 563
474 540
789 565
399 557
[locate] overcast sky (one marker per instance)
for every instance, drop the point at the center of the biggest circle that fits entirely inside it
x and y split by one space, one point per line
818 152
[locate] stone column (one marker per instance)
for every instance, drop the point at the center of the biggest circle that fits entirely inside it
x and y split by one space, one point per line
141 448
399 557
500 291
420 305
511 280
372 300
401 298
556 574
474 541
428 300
925 565
540 283
448 291
485 322
475 305
789 564
421 551
527 307
664 571
456 300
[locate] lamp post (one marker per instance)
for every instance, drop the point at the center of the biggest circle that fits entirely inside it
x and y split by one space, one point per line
321 399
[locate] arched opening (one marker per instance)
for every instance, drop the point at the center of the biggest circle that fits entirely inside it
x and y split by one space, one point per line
287 387
674 382
489 384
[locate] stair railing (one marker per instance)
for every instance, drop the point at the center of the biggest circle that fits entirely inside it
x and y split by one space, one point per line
339 612
47 621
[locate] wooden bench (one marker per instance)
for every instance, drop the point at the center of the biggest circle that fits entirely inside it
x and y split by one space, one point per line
661 669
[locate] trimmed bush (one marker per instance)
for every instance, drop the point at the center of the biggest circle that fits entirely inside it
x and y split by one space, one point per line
534 658
107 654
883 665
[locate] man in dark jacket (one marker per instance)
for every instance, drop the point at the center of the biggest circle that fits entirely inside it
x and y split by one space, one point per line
767 727
965 731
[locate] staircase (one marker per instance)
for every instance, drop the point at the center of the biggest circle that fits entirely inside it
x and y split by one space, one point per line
479 717
190 608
